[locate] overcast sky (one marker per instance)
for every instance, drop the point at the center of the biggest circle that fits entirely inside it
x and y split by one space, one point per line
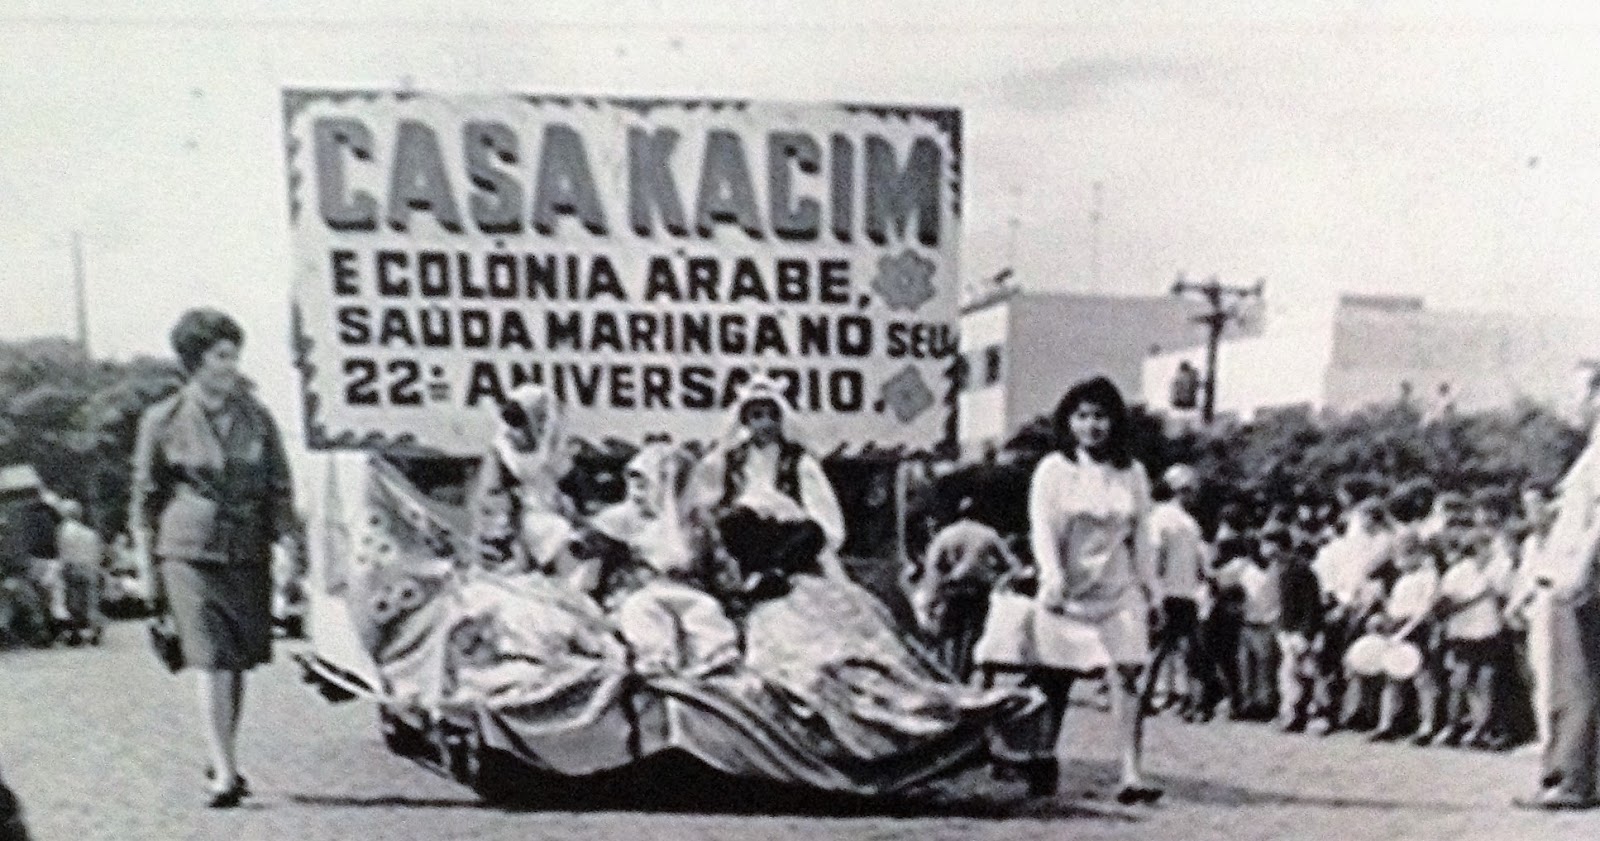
1355 146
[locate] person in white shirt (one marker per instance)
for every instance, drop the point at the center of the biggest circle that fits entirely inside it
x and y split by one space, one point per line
1224 623
1088 506
1568 771
1182 558
81 553
1344 569
1406 617
1261 608
1471 591
771 503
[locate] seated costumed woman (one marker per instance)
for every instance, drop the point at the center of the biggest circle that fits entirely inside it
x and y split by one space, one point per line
522 520
632 558
767 498
828 646
658 593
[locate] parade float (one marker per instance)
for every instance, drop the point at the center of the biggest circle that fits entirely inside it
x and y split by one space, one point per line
640 264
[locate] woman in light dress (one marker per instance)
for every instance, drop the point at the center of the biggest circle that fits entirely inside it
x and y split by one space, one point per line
1097 588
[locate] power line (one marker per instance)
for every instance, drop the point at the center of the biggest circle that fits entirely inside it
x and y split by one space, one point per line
1223 306
1095 215
80 294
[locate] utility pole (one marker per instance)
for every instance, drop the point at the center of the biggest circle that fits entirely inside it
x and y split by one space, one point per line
1012 225
1224 304
79 293
1096 214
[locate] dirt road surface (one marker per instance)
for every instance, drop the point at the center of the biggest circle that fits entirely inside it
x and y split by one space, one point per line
101 744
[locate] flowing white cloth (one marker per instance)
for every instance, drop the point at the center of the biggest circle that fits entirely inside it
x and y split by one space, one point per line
527 460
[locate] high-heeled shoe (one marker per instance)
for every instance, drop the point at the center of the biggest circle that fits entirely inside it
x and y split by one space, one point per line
1131 794
239 781
228 798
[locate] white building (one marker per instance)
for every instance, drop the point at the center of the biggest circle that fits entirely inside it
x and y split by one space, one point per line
1373 349
1023 350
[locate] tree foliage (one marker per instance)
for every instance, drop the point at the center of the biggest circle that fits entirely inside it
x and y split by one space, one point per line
1296 454
74 419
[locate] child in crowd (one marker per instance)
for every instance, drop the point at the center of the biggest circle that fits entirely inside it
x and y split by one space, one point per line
1181 559
1472 592
1257 576
1407 617
1223 623
1344 569
1299 628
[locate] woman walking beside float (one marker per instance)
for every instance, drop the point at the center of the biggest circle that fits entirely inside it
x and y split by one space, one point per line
210 494
1096 588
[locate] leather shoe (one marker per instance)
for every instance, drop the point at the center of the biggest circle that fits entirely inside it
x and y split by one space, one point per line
1129 795
1553 800
239 782
228 798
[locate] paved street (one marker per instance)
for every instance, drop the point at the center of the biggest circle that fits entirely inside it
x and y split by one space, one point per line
101 745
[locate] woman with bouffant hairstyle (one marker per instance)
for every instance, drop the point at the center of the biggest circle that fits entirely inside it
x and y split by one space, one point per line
211 493
1097 587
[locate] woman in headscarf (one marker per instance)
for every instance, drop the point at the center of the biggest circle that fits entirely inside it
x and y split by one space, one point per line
767 497
210 494
521 517
657 582
829 646
1087 509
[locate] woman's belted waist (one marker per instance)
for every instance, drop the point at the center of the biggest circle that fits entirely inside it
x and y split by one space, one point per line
195 526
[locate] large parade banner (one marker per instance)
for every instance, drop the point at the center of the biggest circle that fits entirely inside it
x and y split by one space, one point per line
642 258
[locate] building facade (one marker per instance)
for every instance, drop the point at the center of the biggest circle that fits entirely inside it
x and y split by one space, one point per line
1023 350
1375 349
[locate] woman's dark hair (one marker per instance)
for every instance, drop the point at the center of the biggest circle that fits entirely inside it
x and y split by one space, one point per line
1103 393
198 330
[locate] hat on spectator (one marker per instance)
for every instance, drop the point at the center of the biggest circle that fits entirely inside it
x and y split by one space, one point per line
19 478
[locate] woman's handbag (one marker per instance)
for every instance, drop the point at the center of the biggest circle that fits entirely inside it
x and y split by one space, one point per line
164 641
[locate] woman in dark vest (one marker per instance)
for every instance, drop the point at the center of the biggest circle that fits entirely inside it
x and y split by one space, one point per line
211 493
771 503
830 645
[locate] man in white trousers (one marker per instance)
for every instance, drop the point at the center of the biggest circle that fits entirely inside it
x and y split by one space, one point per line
1567 779
1528 608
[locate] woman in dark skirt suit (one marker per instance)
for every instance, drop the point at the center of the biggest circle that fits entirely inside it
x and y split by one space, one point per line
211 493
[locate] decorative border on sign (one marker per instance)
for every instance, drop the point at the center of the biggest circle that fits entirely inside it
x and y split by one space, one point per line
946 120
296 101
317 435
